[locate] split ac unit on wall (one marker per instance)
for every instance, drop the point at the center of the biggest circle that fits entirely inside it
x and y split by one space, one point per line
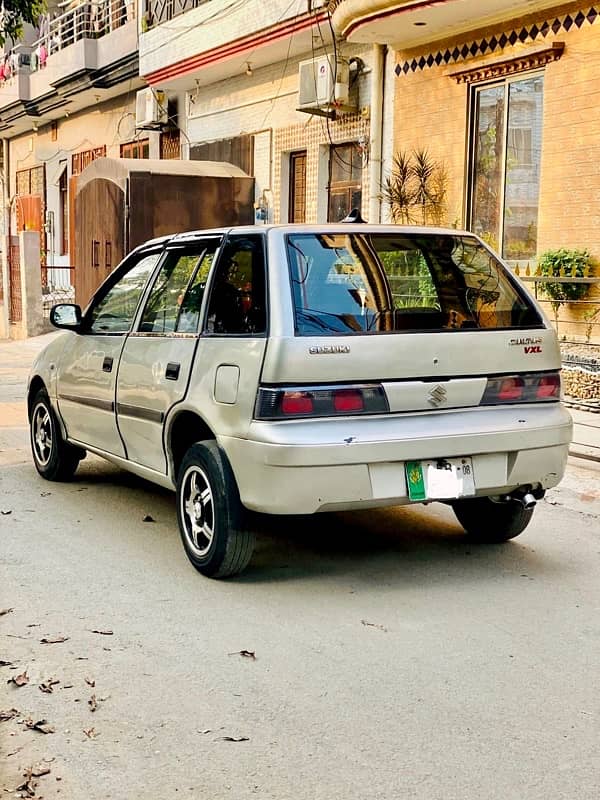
150 108
323 86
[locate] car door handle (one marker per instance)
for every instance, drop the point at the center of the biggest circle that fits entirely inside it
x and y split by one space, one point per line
107 364
172 371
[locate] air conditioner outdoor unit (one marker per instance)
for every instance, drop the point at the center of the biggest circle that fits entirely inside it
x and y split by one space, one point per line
150 108
323 86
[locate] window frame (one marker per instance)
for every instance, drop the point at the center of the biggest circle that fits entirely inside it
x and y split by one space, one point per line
183 248
474 89
134 147
120 272
210 284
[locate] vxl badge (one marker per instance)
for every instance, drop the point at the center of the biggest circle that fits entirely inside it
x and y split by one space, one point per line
530 344
436 396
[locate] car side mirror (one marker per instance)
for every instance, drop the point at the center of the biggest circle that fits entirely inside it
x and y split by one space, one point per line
66 315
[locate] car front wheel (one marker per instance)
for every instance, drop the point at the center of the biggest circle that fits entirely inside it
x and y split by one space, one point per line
485 520
54 459
210 513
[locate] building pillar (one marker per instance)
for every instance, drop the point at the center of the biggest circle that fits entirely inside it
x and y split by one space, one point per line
32 322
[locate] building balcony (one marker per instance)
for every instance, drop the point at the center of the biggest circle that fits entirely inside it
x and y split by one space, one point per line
404 24
212 40
90 47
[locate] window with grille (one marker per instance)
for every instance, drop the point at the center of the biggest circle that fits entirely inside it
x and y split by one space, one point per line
31 181
138 149
170 144
297 205
79 161
345 180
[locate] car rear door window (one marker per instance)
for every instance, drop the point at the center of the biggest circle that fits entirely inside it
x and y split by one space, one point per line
370 283
237 303
175 300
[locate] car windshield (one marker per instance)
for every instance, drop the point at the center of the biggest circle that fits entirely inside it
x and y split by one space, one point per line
362 283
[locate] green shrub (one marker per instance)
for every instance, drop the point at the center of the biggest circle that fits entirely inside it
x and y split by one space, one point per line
564 263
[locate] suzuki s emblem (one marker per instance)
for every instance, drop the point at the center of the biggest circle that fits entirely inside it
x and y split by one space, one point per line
437 395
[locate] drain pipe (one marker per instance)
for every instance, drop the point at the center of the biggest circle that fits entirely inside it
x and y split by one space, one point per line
4 269
376 132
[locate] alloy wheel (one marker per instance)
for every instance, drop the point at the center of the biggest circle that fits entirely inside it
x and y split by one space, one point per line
42 434
197 510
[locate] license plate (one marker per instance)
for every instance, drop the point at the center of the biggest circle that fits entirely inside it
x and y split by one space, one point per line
440 479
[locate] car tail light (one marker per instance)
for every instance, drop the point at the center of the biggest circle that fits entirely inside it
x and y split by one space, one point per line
535 387
511 389
295 402
349 401
549 387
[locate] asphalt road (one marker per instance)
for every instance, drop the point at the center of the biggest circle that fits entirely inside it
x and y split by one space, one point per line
391 658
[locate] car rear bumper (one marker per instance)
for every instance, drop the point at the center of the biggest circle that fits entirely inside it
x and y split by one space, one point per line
321 465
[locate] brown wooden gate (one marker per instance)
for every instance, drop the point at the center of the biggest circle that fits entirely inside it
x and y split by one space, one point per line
99 245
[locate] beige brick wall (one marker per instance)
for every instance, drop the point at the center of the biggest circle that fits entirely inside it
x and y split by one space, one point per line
431 110
431 113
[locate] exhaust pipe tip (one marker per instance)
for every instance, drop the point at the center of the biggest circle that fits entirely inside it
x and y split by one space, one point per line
527 500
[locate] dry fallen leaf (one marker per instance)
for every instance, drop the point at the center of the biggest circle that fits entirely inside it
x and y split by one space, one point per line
373 625
53 639
232 739
48 685
6 513
42 725
102 633
8 714
90 733
4 611
29 785
245 654
92 703
5 663
90 682
19 680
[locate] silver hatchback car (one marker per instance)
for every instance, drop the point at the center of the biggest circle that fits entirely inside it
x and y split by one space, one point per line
299 369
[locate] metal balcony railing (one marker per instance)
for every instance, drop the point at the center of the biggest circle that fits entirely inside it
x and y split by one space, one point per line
159 11
84 21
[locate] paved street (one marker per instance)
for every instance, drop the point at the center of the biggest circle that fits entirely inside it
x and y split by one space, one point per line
391 658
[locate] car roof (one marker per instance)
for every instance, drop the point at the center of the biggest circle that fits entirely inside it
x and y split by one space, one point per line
311 228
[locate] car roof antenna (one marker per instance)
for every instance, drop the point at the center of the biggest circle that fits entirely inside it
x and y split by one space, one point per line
354 216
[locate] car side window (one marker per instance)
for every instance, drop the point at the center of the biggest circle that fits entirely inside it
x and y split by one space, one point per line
114 313
237 303
176 297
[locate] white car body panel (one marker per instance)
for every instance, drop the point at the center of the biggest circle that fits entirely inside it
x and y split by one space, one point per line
309 465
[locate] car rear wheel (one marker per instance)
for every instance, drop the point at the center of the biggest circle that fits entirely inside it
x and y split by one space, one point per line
210 514
488 521
54 459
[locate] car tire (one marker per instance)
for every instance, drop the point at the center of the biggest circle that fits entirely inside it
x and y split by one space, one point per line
491 522
54 459
210 513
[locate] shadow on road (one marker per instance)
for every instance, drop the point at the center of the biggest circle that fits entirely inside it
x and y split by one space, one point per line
419 544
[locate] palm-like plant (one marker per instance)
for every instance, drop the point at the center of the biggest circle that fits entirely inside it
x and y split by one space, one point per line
416 189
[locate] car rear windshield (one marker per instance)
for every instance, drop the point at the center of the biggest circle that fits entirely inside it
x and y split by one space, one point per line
361 283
